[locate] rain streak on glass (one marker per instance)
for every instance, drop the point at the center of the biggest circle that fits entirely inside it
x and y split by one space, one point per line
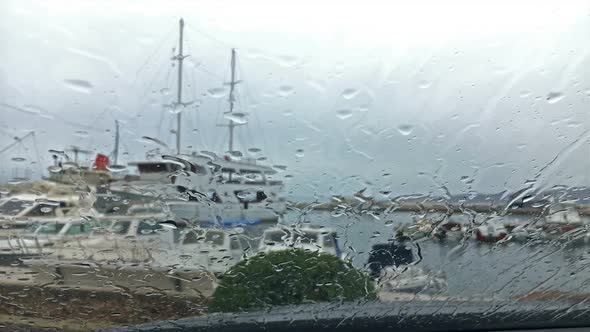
303 164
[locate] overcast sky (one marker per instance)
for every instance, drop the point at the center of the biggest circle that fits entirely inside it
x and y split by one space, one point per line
395 96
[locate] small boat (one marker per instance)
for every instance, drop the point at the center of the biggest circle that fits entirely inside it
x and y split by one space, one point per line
393 266
319 239
564 224
491 233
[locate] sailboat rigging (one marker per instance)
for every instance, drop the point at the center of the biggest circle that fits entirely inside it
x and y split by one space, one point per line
241 190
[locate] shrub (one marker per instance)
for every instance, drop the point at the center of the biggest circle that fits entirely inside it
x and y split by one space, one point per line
289 277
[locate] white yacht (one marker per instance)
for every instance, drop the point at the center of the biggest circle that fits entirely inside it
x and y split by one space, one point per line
230 188
42 238
19 210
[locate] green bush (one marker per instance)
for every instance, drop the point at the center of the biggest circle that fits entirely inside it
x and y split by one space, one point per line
289 277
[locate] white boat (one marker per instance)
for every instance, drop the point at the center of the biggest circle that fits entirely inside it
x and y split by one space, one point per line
491 232
18 211
231 187
42 238
563 223
132 252
393 267
204 189
318 239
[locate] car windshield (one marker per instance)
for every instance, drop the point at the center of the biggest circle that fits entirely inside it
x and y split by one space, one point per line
294 165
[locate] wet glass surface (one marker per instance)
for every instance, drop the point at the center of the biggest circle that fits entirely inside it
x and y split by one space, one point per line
163 160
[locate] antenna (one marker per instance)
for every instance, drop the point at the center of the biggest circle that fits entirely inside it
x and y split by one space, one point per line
179 58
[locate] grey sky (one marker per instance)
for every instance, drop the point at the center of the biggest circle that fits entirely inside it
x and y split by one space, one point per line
432 94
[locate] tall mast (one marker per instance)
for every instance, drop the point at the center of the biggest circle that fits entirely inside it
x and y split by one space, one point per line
179 58
116 151
232 99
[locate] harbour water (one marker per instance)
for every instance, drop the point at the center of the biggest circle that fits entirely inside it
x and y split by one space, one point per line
473 269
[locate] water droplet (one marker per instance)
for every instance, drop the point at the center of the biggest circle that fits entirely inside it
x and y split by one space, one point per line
78 85
69 165
261 158
525 94
244 194
150 140
192 63
16 181
18 159
116 168
165 92
169 224
424 84
343 114
235 154
375 234
299 153
254 150
286 90
175 108
46 209
54 169
279 168
528 198
237 117
405 129
554 97
32 109
287 60
81 133
349 93
217 92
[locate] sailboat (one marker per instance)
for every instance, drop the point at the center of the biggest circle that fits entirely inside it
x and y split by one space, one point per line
205 187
